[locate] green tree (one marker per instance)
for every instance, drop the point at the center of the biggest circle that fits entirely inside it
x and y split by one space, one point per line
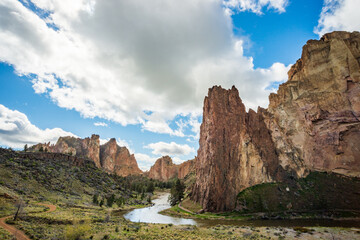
101 203
110 200
25 148
177 193
150 188
41 149
120 201
96 199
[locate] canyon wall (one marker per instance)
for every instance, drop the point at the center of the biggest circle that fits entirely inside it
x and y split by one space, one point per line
164 169
110 157
311 124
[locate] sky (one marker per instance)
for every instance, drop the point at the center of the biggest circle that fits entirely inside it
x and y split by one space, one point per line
139 70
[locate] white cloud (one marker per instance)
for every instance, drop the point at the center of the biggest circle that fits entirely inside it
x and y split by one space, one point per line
119 60
171 149
16 130
339 15
255 6
100 124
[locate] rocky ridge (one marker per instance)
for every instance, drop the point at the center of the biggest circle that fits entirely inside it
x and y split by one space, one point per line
164 169
311 124
109 156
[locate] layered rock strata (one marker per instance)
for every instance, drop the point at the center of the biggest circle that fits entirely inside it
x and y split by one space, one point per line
311 124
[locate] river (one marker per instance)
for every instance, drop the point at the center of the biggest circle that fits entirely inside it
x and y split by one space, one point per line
151 215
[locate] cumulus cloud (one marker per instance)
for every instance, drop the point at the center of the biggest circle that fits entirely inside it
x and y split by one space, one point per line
100 124
133 62
171 149
255 6
339 15
16 130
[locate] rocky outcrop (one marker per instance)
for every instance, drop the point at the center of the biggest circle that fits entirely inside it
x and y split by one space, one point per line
312 123
87 147
236 151
164 169
118 160
110 157
185 168
314 117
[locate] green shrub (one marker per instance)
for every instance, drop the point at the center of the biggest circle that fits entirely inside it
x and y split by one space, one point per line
76 231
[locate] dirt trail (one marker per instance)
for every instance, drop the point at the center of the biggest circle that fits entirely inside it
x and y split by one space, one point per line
20 235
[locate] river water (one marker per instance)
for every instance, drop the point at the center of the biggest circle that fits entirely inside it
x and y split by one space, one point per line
151 215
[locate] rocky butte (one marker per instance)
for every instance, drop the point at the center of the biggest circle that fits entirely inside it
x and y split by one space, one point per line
109 156
312 124
164 169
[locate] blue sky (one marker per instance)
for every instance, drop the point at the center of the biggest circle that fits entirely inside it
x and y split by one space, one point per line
138 71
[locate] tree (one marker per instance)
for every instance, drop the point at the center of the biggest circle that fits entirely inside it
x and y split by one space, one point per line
176 193
20 206
25 148
101 203
142 195
96 199
110 200
41 149
150 188
120 201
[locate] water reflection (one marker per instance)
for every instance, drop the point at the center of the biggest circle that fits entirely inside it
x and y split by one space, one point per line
151 214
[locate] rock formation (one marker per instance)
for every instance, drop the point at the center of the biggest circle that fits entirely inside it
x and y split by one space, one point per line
312 123
314 117
116 159
236 151
164 169
87 147
185 168
110 157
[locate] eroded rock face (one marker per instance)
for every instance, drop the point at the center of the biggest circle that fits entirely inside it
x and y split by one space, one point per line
87 147
312 123
118 160
110 157
164 169
314 117
236 151
185 168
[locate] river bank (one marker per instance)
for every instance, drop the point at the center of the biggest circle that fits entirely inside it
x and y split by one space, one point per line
92 222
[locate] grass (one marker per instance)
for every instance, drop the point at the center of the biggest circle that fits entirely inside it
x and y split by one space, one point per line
191 205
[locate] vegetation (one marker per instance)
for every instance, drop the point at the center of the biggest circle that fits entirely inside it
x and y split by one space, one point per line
325 193
176 193
90 204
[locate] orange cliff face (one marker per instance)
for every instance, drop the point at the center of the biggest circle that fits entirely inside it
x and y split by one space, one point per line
312 124
110 157
164 169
